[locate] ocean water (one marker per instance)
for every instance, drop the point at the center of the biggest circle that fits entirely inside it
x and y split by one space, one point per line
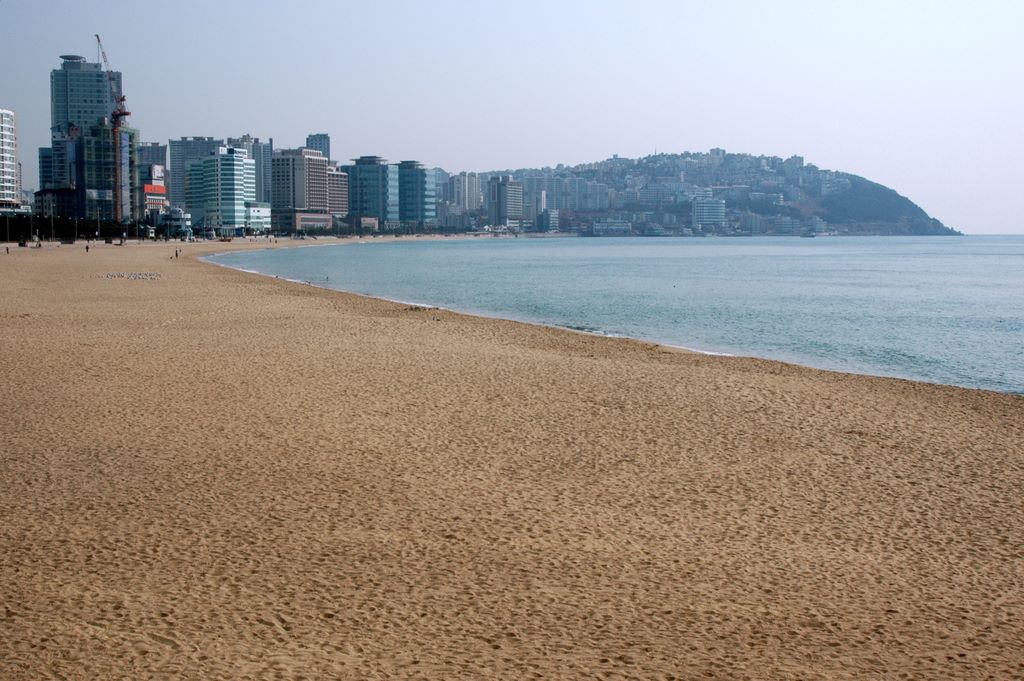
938 309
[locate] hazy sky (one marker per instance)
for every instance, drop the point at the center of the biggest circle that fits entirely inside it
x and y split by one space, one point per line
925 97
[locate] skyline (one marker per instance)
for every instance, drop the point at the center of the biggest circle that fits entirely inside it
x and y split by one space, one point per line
928 110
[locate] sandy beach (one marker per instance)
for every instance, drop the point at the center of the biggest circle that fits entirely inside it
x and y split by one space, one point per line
211 474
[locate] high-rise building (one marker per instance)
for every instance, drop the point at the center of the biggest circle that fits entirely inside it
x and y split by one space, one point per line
373 190
10 174
153 154
301 194
465 191
320 141
299 180
441 186
183 151
417 202
222 193
505 201
337 191
80 93
263 154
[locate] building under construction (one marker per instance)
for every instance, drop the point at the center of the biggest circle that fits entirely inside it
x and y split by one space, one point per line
90 170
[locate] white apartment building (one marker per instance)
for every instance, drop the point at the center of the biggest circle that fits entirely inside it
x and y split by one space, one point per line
10 177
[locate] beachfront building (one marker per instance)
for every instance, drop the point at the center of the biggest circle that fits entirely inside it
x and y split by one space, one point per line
183 152
373 190
300 194
258 217
221 191
79 166
299 180
80 97
84 183
417 203
263 154
504 201
708 213
337 191
10 173
175 223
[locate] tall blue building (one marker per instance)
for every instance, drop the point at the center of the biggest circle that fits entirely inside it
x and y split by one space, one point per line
321 142
373 190
417 195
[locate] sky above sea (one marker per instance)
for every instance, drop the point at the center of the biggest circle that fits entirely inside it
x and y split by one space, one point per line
919 96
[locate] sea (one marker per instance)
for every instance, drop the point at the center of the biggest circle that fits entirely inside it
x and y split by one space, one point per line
946 310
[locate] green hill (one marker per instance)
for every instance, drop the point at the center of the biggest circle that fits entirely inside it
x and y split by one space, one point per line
869 203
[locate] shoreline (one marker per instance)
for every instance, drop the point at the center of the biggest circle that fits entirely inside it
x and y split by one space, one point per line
713 353
214 474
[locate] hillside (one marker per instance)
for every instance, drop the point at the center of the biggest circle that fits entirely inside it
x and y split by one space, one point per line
868 203
762 195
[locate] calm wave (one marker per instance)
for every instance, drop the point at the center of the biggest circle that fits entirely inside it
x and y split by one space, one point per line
938 309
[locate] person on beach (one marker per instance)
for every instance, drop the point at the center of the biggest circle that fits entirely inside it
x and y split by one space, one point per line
87 248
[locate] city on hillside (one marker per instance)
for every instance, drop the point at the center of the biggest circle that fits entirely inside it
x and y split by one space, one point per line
97 177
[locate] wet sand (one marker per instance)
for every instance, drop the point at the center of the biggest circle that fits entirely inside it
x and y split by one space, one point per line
212 474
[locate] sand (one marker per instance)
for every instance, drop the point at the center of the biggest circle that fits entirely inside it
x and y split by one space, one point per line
212 474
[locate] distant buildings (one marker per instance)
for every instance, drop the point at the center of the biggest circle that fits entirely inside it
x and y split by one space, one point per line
153 153
10 172
505 201
708 213
611 227
465 191
183 152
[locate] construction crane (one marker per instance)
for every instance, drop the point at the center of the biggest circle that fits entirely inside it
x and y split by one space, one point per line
117 115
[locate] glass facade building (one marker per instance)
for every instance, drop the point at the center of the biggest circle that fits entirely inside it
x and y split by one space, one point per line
373 189
222 191
417 194
80 93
